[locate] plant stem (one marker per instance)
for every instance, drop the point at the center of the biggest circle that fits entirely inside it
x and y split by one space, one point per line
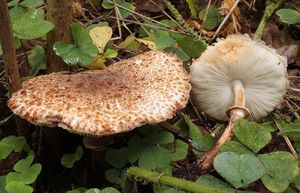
178 17
172 181
10 62
235 112
60 14
9 52
270 9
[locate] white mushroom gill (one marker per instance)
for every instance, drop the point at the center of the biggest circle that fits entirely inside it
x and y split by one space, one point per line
262 72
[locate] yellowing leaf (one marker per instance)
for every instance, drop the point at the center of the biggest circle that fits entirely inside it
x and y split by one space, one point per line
150 43
97 63
100 36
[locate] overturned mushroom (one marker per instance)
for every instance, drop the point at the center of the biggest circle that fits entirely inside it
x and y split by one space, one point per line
237 78
147 88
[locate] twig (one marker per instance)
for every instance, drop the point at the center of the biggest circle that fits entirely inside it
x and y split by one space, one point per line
270 9
287 140
225 19
166 125
118 15
293 110
171 181
2 122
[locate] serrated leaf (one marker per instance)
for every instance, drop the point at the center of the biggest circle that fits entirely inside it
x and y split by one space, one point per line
289 16
239 170
100 36
154 157
281 168
68 160
31 25
117 158
251 134
37 60
236 147
212 19
31 3
18 187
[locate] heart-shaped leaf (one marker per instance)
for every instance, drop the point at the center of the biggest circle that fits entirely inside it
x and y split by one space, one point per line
100 36
251 134
179 150
154 158
281 168
82 52
18 187
236 147
117 158
31 25
11 143
239 170
68 160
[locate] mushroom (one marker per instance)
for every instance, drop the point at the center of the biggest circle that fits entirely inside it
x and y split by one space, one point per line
237 78
147 88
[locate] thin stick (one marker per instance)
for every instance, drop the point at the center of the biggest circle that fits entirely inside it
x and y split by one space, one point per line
171 181
270 9
287 140
225 19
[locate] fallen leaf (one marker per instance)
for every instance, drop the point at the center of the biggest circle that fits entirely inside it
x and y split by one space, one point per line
100 36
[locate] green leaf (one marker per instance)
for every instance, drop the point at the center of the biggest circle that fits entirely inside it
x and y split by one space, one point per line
236 147
239 170
83 52
68 160
117 158
2 184
165 189
281 168
213 182
291 129
27 176
135 148
163 40
124 7
93 190
10 143
110 190
110 53
251 134
31 3
179 150
31 25
23 164
16 12
13 3
37 60
155 158
113 176
289 16
193 48
212 19
160 137
18 187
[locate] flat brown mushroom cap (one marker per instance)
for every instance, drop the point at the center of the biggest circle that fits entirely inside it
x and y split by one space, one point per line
147 88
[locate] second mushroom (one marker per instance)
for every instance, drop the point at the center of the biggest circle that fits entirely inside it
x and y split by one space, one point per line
237 78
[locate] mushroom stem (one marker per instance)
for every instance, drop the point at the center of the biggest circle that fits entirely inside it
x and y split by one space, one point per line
235 112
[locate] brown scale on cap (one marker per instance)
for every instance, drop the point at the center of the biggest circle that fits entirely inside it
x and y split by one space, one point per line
147 88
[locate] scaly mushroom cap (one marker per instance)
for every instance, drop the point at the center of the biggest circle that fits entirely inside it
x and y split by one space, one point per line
261 70
147 88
